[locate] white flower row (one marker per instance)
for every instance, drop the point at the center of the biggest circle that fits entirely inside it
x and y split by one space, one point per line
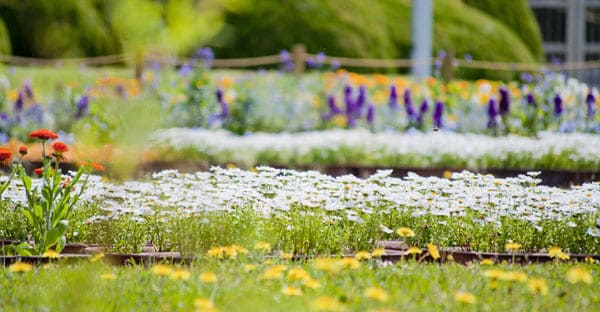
384 148
271 191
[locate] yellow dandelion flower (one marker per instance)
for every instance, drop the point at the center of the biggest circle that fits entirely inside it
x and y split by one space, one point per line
514 247
97 257
494 274
297 274
20 267
350 263
362 255
328 265
108 276
161 270
538 286
579 275
239 249
486 262
286 255
465 297
433 251
208 277
262 245
557 253
376 293
291 291
450 258
216 252
447 174
414 251
52 254
327 303
249 268
312 283
590 260
203 303
405 232
514 276
180 274
274 272
378 252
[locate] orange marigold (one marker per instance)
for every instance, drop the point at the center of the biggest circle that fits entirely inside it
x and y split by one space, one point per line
5 154
60 147
43 134
23 150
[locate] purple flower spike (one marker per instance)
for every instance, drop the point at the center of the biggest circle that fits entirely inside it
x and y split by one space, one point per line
410 111
590 101
492 113
393 102
370 114
438 111
504 101
422 110
82 106
362 97
206 55
349 101
219 95
331 103
558 105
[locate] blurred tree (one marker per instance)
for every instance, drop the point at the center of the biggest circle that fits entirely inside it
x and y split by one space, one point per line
50 28
4 39
518 16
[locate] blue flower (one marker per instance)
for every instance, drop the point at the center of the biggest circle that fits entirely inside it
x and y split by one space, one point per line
590 101
504 104
530 100
410 111
558 105
331 103
370 114
206 55
492 114
82 106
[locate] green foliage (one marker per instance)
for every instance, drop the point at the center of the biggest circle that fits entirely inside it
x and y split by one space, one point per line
517 16
4 39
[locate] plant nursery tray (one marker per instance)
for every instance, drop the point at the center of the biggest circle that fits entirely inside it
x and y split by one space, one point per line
62 258
147 258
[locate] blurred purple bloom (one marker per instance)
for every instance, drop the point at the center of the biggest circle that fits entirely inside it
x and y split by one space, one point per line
590 101
82 106
185 70
335 64
468 57
530 100
526 77
504 104
438 111
558 105
492 113
222 103
320 59
441 54
370 114
331 103
19 102
206 55
393 102
311 63
27 89
437 64
286 60
219 95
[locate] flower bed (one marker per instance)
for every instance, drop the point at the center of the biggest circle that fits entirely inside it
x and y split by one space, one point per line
576 151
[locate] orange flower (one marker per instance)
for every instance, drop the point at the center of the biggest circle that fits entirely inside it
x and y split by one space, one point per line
23 150
5 154
38 171
60 147
43 134
94 165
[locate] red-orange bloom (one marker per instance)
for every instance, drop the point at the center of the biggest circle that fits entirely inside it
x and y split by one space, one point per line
60 147
23 150
43 134
5 154
96 166
38 171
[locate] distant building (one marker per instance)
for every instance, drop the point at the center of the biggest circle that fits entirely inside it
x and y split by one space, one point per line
570 29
